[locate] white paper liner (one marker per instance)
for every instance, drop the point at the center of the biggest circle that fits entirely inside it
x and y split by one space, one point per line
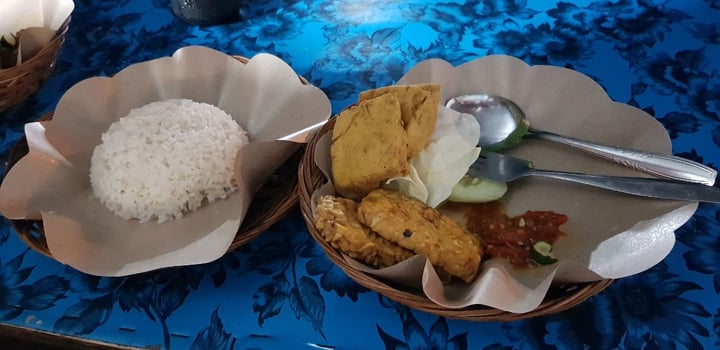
264 96
20 14
610 235
34 23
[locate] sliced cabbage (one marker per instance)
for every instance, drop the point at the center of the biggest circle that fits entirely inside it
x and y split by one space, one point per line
444 161
411 185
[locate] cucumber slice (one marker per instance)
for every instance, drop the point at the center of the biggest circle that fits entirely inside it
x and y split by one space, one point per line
473 190
541 253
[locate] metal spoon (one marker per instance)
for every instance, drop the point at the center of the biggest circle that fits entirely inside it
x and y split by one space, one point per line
504 124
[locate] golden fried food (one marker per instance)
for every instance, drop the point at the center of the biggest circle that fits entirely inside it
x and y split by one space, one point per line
414 226
418 104
369 146
336 218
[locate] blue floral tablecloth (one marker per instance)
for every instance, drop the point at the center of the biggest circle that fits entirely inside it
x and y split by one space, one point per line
280 291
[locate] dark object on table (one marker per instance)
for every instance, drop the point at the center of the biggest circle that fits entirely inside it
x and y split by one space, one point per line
19 338
206 12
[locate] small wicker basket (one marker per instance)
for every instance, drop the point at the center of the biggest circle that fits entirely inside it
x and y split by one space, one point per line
19 82
270 204
559 298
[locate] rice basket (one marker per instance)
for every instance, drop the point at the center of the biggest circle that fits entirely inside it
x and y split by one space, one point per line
274 199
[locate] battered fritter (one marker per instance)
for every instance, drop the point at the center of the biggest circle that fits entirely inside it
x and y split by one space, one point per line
414 226
336 218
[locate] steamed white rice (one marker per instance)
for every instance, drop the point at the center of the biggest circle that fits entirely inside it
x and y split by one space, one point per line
165 158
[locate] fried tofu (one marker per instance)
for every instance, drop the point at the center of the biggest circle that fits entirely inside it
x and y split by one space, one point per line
418 104
369 146
336 218
412 225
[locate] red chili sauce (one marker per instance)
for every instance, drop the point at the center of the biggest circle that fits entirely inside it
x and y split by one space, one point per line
512 237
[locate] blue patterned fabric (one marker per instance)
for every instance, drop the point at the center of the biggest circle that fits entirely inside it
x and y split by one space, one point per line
280 291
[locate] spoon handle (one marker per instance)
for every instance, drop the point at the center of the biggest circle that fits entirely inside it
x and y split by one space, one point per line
667 166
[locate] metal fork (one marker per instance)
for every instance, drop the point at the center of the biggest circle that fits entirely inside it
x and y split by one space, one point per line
504 168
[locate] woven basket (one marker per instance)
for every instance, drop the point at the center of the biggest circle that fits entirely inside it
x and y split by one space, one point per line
274 199
19 82
559 298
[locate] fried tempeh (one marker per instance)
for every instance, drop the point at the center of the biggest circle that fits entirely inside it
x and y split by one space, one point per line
336 218
418 104
414 226
369 146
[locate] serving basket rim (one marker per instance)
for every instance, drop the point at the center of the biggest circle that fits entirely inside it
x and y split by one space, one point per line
19 82
560 298
284 191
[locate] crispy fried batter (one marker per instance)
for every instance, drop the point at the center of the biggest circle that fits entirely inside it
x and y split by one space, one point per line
336 218
369 146
419 105
412 225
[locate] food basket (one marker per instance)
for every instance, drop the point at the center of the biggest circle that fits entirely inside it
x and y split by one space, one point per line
19 82
560 296
278 195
